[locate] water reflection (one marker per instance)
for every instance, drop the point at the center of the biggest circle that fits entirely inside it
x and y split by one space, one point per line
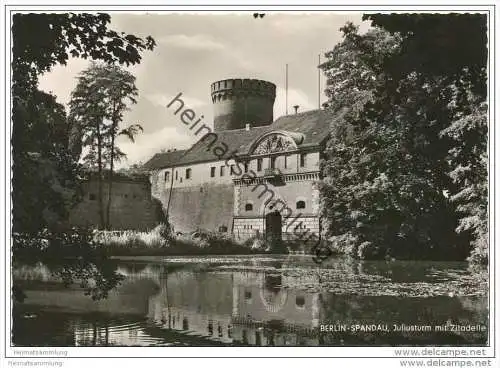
257 302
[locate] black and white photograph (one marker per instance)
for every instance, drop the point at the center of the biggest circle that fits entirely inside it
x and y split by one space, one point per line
248 182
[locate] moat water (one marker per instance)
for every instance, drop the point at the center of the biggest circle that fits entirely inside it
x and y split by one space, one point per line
258 300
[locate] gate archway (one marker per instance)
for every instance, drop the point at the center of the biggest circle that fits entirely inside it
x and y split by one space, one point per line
273 233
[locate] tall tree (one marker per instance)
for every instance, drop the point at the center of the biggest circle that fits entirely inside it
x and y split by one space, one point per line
354 70
41 41
387 184
453 48
45 172
102 96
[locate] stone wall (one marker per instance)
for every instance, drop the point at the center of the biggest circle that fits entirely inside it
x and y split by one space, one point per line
132 207
206 206
267 197
245 228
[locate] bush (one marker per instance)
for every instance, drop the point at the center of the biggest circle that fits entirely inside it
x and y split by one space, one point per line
368 250
165 230
134 239
162 241
345 244
479 254
73 242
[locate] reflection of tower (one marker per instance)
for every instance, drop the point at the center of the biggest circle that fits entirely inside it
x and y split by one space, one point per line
265 312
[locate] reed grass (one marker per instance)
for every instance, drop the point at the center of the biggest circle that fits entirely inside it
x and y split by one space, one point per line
133 239
159 242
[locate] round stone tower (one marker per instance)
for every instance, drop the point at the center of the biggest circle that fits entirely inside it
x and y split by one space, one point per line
238 102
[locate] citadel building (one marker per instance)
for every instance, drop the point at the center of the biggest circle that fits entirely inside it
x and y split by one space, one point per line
252 175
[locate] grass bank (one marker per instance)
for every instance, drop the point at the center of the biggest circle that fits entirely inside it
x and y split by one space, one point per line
160 242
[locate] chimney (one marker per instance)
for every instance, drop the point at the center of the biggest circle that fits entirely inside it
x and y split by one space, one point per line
247 126
296 107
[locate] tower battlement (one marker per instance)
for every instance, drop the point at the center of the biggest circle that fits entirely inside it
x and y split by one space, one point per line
238 102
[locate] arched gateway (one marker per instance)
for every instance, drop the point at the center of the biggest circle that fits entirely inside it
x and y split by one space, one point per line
273 229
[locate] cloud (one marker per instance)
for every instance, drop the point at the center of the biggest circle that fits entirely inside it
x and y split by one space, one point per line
199 42
61 80
295 97
163 100
147 144
299 23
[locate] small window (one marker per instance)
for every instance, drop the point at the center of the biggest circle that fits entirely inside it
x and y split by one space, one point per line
92 196
246 166
248 207
210 328
176 175
248 295
222 171
167 175
259 164
125 195
188 173
300 205
302 159
222 229
185 324
212 172
272 163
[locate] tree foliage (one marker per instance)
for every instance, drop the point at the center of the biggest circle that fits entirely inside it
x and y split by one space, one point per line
45 171
98 103
391 186
41 41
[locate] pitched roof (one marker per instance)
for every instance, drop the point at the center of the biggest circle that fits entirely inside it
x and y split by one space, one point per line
164 159
313 125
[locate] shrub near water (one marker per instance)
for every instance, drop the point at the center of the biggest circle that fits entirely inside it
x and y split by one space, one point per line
161 241
134 239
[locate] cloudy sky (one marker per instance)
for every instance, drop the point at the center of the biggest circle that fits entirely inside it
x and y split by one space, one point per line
194 50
